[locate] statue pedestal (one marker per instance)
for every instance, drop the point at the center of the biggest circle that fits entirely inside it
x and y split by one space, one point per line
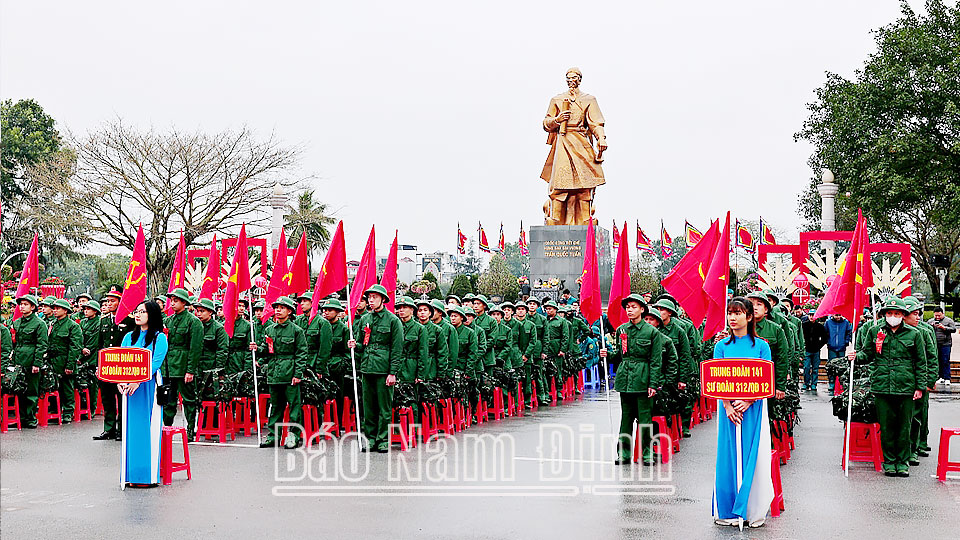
556 251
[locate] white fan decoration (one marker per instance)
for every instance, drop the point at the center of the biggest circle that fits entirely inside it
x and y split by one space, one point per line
778 276
821 268
887 281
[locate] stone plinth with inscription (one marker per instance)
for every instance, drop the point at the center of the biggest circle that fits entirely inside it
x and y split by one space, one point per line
556 251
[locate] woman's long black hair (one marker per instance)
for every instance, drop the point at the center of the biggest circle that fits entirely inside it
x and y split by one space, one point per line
740 304
154 324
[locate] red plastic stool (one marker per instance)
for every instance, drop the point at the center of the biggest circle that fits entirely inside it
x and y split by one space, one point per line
481 411
428 421
664 451
777 505
520 405
82 399
676 432
706 409
263 404
460 415
167 465
99 409
944 465
534 401
864 445
447 422
695 414
497 409
214 420
44 416
349 421
311 423
406 437
553 391
781 442
11 411
332 415
243 420
580 382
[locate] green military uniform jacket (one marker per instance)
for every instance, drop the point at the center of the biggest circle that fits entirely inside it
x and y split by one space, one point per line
792 352
6 345
694 338
64 344
319 336
453 348
436 352
468 358
288 359
556 334
239 357
525 341
540 321
90 328
780 350
669 362
641 364
933 356
339 352
415 350
383 354
499 341
30 333
482 345
686 368
185 344
487 323
900 366
216 348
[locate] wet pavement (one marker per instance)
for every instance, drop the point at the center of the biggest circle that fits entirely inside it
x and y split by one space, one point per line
57 482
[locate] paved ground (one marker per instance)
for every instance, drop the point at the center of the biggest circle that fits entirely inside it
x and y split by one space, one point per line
57 482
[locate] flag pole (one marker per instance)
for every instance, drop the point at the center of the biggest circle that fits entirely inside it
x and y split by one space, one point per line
353 366
846 453
256 389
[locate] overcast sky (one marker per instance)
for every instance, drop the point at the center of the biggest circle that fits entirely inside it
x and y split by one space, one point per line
416 115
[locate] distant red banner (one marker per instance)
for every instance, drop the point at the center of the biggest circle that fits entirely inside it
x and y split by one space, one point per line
737 378
123 365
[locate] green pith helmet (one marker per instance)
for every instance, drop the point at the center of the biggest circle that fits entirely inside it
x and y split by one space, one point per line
84 295
771 295
449 296
506 305
550 303
438 305
29 298
305 296
260 304
379 289
285 301
468 311
424 302
468 297
633 298
62 303
405 301
48 300
655 313
453 308
912 303
182 294
482 299
762 297
192 299
496 309
667 305
894 302
92 304
206 304
332 303
534 300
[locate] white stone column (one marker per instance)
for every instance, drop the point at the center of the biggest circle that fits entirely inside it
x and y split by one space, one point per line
828 219
278 201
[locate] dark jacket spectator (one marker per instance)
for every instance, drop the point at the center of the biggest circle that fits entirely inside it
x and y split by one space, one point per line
840 331
943 328
815 335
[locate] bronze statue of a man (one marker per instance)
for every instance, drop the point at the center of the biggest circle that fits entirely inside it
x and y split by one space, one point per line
572 169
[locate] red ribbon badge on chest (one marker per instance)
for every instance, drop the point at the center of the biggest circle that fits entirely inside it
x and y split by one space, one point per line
881 335
366 335
269 344
623 344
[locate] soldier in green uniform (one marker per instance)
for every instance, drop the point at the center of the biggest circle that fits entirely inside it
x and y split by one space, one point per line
526 343
239 357
483 320
773 334
794 353
452 299
284 351
82 300
6 345
305 302
63 353
381 353
259 326
476 370
185 345
111 335
468 351
436 335
338 365
415 342
216 344
638 377
46 309
319 336
897 361
508 312
540 322
449 334
499 340
687 367
29 348
90 328
669 361
921 407
555 337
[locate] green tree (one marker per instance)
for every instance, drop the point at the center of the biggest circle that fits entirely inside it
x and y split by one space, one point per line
518 264
310 217
435 293
891 136
497 280
28 135
461 286
109 270
644 279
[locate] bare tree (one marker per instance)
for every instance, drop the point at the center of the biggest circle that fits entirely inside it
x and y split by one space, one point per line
170 181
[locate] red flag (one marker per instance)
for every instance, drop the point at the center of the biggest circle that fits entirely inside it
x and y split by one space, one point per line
300 268
135 286
484 244
847 294
666 243
716 284
643 242
616 235
177 276
237 282
389 280
211 278
590 304
620 286
333 273
280 279
461 241
745 238
691 234
766 235
367 271
524 249
30 276
685 281
502 245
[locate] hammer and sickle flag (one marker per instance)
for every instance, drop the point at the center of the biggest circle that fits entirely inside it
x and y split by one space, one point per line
333 273
237 282
135 286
